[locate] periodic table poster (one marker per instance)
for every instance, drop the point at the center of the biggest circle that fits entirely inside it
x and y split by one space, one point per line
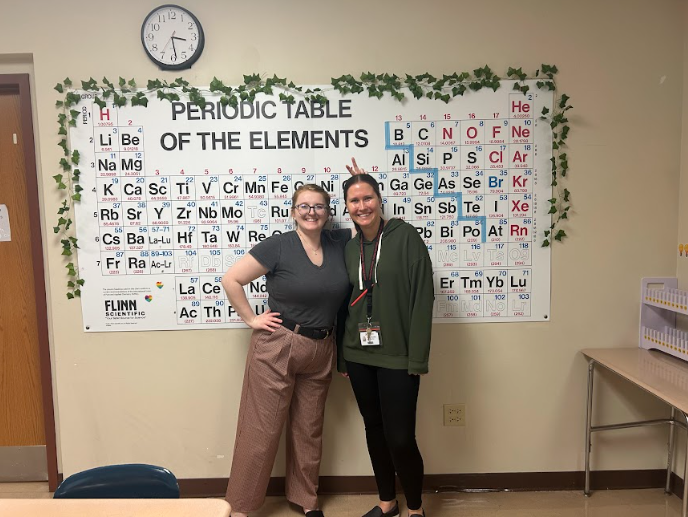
175 193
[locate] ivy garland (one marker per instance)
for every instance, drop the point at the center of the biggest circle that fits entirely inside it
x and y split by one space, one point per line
376 85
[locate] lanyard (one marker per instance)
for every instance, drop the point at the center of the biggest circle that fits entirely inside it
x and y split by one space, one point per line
368 279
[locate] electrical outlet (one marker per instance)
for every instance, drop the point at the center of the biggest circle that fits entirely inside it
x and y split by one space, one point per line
455 414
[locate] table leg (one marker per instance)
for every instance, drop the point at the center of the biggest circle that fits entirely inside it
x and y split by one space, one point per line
588 425
684 508
670 455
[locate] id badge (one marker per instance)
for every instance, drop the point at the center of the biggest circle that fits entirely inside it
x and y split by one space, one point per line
370 334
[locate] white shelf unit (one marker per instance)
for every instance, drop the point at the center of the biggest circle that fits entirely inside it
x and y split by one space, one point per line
660 302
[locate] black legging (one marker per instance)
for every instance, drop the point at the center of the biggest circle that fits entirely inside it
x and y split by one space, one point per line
387 401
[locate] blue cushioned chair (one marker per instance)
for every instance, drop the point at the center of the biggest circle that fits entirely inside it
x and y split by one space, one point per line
134 481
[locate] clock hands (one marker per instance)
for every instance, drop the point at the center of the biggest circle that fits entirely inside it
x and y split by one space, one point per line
172 38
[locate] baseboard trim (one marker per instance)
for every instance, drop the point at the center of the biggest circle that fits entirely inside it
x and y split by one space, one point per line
23 463
512 481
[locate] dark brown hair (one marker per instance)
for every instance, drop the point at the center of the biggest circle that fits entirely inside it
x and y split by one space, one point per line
362 178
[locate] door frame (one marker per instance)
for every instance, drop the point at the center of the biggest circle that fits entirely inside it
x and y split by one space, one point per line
20 83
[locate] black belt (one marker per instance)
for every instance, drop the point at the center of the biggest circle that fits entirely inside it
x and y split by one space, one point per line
311 332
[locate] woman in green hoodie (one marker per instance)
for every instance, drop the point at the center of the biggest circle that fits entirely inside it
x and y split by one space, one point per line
387 339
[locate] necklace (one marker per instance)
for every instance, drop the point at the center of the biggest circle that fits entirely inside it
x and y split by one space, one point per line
305 242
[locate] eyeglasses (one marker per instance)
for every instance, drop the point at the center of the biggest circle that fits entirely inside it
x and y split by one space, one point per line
305 209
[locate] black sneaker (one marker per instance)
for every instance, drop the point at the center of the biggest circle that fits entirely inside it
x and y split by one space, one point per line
377 511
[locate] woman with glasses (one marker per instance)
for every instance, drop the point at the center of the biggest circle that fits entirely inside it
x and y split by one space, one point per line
291 355
387 339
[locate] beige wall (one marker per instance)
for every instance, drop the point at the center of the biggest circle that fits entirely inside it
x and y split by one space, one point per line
171 397
682 263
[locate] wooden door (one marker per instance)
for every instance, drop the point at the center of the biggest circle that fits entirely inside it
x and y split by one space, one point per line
25 382
21 409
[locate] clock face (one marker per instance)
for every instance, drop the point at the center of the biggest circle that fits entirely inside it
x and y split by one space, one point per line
172 37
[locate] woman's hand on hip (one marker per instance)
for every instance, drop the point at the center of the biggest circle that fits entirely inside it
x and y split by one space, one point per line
269 321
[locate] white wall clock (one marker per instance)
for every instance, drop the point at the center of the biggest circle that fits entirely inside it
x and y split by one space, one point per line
172 37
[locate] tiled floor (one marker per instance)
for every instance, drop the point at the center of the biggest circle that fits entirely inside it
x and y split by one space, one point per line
616 503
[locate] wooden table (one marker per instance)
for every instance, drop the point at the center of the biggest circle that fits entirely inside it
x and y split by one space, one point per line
662 375
114 508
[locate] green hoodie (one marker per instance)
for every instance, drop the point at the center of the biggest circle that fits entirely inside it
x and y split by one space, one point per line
402 301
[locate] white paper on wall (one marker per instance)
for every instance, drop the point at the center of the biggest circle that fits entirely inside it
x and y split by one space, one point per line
5 232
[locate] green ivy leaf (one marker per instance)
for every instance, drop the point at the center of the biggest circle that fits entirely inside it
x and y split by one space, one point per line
560 235
70 296
91 84
72 98
552 210
250 79
99 102
216 85
59 88
75 157
58 178
76 197
545 243
566 195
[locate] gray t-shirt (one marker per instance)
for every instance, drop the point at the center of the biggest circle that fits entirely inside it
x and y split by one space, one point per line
299 290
